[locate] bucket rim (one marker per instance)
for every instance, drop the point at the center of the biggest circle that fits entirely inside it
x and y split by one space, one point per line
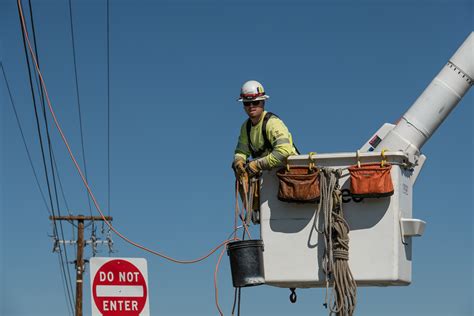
244 244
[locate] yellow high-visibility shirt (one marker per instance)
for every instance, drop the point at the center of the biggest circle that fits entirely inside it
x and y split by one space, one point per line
277 134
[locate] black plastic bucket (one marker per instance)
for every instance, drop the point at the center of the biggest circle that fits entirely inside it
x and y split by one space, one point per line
246 262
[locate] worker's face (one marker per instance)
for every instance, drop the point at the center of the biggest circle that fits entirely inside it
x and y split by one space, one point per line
254 109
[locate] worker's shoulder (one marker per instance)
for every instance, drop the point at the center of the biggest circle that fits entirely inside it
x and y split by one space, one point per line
275 121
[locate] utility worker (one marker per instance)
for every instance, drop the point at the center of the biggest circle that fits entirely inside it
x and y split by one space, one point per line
264 136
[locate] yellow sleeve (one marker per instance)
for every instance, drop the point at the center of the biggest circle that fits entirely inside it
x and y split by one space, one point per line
282 144
242 150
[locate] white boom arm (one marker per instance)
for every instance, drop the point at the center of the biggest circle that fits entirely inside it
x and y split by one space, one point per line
431 108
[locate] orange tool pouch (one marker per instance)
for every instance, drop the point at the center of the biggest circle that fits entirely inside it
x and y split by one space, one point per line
299 184
371 180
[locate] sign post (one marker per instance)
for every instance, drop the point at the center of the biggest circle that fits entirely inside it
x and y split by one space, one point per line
119 286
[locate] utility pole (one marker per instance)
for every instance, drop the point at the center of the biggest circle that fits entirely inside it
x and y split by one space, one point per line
80 250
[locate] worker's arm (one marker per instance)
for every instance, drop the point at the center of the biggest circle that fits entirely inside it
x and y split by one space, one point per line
242 150
282 143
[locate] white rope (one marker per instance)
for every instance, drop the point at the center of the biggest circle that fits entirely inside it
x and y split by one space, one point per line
335 231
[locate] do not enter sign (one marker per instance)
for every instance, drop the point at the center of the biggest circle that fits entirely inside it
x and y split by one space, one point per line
119 287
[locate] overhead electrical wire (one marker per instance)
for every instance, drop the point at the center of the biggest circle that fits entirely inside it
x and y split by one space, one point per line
70 306
44 111
24 140
50 149
108 124
73 233
61 264
67 276
78 102
37 119
108 110
40 92
109 197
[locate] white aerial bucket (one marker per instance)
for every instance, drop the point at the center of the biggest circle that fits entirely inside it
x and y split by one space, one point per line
380 251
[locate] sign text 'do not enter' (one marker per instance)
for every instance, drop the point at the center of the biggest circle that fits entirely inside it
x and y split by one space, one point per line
119 288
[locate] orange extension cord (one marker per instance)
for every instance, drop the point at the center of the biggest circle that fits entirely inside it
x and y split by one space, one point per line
237 212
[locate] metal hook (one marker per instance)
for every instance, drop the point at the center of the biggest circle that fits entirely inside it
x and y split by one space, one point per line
293 296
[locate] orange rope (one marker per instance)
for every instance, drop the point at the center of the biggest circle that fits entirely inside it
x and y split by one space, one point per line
96 204
216 290
43 84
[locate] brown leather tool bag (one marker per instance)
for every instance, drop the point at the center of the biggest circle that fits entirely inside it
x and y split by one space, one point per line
299 185
371 180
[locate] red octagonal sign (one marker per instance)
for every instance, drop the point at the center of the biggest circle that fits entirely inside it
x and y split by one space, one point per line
119 287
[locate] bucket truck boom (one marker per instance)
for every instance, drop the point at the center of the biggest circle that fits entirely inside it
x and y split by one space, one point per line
431 108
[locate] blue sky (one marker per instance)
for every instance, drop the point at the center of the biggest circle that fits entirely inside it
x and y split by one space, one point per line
335 70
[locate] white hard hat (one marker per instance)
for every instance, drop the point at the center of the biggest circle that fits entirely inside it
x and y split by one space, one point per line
252 91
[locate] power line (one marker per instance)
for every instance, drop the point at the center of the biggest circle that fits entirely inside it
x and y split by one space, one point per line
78 102
62 193
42 99
50 149
64 282
108 119
44 108
42 152
65 261
40 92
61 263
108 109
37 121
47 132
24 140
36 52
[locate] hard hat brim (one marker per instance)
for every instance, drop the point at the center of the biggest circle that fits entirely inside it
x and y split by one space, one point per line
263 97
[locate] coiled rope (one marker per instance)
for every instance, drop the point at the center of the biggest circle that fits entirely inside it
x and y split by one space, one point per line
335 231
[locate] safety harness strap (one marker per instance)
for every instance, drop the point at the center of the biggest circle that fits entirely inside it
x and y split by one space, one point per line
266 143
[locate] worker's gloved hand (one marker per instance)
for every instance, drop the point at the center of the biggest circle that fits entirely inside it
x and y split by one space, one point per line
253 168
239 169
